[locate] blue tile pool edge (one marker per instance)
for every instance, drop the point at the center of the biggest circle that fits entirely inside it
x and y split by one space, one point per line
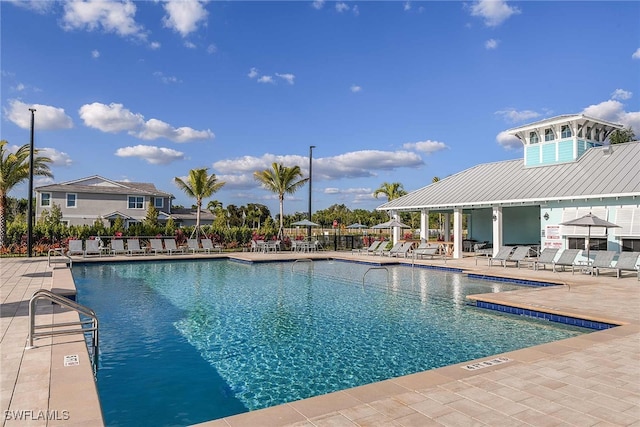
522 282
567 320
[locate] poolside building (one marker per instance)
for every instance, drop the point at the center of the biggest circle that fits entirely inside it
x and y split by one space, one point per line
568 170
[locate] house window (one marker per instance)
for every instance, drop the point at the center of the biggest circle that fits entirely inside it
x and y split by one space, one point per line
136 202
566 132
595 244
158 202
45 199
64 222
631 245
71 200
533 138
549 135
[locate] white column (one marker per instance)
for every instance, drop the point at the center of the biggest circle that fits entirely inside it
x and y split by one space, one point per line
497 229
396 230
447 228
457 233
424 224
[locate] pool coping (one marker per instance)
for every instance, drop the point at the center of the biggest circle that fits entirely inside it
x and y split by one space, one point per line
362 395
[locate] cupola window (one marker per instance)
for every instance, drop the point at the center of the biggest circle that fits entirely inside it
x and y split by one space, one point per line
566 132
549 135
533 138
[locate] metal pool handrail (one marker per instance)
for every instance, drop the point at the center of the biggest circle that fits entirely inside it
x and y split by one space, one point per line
302 259
375 268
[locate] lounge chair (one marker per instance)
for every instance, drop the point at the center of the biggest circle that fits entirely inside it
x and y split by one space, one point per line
156 246
272 246
208 245
546 257
567 259
603 260
91 247
403 251
75 247
372 248
426 249
133 247
171 248
117 247
395 248
628 261
502 256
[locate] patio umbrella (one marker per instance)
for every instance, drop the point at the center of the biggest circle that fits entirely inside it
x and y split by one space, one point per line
589 221
305 223
391 224
357 225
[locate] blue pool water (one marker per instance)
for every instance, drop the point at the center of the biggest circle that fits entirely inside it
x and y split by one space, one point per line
188 341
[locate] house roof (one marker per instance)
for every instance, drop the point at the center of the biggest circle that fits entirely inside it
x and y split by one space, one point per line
610 171
179 213
101 185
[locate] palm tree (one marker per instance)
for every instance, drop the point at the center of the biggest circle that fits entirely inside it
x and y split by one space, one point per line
392 191
282 180
620 136
199 185
14 169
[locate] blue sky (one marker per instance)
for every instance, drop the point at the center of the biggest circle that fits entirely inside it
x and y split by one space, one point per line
387 91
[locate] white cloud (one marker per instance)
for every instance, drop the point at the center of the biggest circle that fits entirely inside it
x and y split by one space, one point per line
494 12
58 158
613 111
287 77
318 4
35 6
184 16
253 73
95 54
407 6
356 10
20 87
491 44
507 141
151 154
46 117
621 94
513 116
166 79
266 79
349 165
212 48
155 45
636 54
355 88
428 147
111 17
115 118
189 45
342 7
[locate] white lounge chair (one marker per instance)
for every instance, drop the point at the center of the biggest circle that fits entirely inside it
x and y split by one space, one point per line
602 261
75 247
208 245
156 246
372 248
546 257
403 251
117 247
567 259
171 247
394 249
133 247
502 256
628 261
426 249
92 247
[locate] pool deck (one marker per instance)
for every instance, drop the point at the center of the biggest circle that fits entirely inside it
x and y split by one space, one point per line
590 380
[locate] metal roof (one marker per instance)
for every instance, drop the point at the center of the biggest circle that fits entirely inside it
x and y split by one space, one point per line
610 171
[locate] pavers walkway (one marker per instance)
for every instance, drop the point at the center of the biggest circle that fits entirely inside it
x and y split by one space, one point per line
591 380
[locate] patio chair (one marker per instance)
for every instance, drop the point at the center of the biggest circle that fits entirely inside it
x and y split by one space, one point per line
75 248
156 246
546 257
567 259
372 248
171 247
403 251
603 260
133 247
426 249
502 256
117 247
91 247
627 261
383 251
208 244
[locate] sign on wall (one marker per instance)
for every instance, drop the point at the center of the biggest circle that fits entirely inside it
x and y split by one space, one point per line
553 237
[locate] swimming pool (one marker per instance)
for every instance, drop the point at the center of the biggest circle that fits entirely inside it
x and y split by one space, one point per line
189 341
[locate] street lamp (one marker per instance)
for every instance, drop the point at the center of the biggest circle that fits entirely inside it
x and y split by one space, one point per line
30 202
311 147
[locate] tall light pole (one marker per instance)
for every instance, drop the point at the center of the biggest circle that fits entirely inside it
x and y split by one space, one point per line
311 147
30 201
